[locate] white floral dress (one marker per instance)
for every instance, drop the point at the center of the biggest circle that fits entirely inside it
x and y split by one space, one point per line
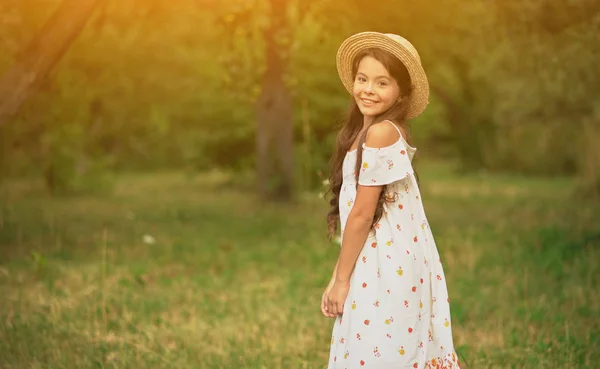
397 312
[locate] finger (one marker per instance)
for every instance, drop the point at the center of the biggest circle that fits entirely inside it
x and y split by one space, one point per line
329 313
341 308
329 306
324 305
334 309
325 308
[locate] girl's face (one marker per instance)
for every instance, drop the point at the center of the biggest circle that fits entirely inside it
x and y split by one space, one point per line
375 91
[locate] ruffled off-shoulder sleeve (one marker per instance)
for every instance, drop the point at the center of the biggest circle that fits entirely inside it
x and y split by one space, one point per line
381 166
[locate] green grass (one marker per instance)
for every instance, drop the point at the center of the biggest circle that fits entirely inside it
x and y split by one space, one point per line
231 282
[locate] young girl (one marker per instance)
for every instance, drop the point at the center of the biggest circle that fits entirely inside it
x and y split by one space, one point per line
388 291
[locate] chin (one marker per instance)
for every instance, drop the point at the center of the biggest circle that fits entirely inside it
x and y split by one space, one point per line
369 112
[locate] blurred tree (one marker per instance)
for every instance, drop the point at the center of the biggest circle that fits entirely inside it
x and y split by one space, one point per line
267 25
547 86
42 53
274 115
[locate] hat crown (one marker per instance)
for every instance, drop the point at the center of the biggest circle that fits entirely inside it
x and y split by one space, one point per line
406 44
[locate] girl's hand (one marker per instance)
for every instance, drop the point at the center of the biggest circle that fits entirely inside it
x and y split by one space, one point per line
336 297
324 300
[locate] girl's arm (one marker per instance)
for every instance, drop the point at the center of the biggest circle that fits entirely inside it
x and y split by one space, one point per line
356 231
335 269
358 225
361 216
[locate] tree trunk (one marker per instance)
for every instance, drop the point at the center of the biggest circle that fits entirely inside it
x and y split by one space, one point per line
44 51
274 140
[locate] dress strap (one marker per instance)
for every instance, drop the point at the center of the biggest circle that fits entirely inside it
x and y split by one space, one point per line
397 129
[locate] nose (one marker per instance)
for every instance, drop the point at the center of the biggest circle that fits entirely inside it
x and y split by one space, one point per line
368 88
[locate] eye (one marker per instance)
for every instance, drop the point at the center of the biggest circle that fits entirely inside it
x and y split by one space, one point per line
360 79
382 84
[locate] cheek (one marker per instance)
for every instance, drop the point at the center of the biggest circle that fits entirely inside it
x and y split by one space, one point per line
390 97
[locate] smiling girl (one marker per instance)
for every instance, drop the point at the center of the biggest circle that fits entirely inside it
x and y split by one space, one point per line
387 291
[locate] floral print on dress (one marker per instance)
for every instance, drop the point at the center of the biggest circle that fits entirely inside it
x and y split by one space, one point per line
397 313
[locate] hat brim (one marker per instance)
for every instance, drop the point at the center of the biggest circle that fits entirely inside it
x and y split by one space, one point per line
359 42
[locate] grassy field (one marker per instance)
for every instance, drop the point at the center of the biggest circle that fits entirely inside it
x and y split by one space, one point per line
178 272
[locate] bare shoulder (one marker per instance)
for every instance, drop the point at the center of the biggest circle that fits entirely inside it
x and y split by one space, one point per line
382 134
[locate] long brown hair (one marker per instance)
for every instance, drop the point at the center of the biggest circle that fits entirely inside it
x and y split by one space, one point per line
352 126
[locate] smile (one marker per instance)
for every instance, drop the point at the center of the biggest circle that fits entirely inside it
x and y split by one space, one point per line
368 102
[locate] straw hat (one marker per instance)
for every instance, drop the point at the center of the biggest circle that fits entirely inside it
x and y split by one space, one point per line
397 46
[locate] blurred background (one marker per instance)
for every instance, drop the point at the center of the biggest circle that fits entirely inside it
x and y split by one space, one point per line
162 168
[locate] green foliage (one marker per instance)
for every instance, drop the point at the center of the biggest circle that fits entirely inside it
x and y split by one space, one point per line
148 86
